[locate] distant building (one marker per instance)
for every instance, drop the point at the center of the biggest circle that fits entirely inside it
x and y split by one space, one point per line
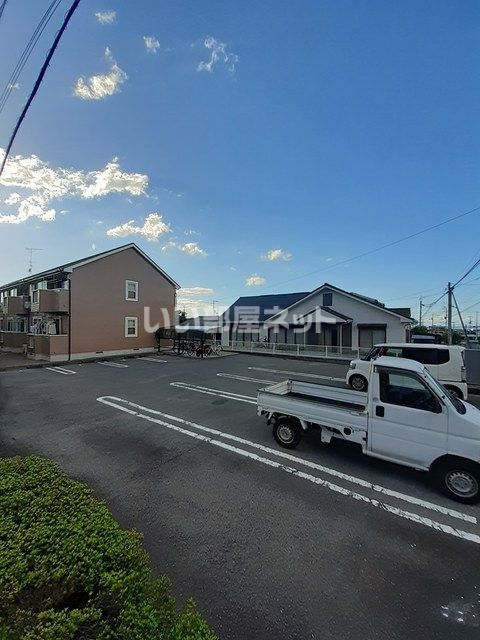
326 316
105 304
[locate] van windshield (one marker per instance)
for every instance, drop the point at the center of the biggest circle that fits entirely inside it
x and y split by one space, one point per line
373 353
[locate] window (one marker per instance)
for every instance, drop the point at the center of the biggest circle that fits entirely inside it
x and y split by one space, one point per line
35 295
327 300
407 390
131 327
392 352
425 356
131 290
15 324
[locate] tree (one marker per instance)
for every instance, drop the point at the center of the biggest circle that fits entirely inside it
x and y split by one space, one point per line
420 330
182 316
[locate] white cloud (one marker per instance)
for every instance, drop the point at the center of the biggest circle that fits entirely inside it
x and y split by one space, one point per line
15 86
13 198
194 291
218 53
255 280
152 228
192 248
328 259
94 248
191 232
233 268
106 17
102 85
47 184
151 43
275 255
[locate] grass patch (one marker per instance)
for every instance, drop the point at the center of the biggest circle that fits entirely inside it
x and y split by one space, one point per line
69 572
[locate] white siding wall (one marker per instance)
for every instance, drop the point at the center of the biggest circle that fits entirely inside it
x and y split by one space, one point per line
361 313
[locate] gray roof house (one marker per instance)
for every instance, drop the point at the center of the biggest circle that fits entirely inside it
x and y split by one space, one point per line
327 316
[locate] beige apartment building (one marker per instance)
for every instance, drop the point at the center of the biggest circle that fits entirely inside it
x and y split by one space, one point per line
104 305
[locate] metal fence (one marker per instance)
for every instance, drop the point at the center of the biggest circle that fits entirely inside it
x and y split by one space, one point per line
309 350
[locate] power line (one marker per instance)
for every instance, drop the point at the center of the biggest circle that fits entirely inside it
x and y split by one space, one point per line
2 7
383 246
472 268
40 28
38 82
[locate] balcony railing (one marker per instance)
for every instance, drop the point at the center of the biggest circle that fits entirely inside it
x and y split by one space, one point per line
50 301
15 305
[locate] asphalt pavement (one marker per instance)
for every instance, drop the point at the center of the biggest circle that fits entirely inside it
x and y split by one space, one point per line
320 542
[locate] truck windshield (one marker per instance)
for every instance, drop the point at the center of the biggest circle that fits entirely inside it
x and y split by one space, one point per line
445 393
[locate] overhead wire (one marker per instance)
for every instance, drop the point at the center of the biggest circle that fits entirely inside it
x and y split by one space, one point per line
39 79
2 7
29 47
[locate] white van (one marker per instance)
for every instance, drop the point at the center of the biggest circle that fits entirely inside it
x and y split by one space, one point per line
446 363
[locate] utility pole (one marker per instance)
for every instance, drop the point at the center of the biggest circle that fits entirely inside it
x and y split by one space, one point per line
420 319
476 324
213 306
449 313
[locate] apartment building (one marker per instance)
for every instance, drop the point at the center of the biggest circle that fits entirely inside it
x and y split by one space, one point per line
103 305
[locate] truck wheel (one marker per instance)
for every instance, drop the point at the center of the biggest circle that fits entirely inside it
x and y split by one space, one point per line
455 391
287 433
458 479
358 383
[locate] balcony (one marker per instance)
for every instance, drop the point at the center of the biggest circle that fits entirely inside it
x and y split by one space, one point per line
14 306
50 301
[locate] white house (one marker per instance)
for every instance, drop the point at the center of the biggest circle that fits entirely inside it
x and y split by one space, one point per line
326 316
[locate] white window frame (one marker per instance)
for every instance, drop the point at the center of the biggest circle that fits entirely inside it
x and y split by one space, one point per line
127 283
131 335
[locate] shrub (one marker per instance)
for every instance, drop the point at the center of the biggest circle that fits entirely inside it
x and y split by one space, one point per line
69 572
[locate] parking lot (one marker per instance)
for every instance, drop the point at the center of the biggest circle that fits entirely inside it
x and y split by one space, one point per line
319 542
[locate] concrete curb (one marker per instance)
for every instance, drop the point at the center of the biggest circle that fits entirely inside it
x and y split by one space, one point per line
60 363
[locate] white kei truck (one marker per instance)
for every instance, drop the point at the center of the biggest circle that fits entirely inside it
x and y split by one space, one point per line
406 417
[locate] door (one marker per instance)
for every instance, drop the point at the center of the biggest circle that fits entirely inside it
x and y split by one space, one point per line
408 421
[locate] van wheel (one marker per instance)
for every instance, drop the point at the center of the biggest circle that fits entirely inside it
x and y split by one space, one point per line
458 479
358 383
455 391
287 432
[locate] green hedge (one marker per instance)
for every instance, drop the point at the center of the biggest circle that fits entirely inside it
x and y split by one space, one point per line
69 572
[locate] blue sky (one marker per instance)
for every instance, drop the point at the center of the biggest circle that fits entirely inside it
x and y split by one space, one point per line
320 128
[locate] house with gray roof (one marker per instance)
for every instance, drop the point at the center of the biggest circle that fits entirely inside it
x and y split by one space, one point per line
327 316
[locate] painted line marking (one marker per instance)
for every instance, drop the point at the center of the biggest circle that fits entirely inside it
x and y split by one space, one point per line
114 364
313 465
66 372
413 517
298 373
153 359
244 378
214 392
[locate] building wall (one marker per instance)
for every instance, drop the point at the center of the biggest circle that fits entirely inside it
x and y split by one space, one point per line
360 312
98 304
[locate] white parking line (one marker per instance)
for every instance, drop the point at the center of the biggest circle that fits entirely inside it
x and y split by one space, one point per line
243 378
66 372
134 409
114 364
153 359
214 392
298 373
